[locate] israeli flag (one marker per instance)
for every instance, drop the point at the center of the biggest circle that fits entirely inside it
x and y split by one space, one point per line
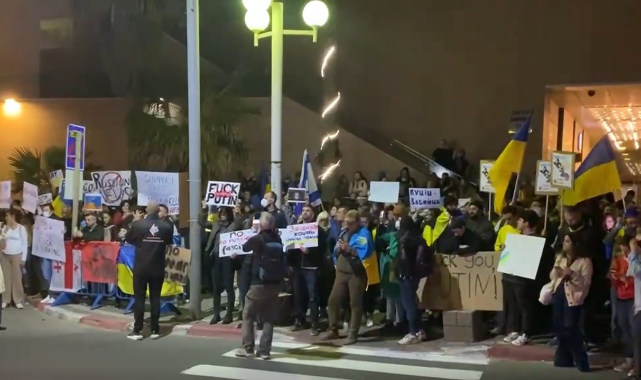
308 182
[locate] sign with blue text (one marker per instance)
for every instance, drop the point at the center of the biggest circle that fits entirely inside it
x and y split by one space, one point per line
425 198
70 161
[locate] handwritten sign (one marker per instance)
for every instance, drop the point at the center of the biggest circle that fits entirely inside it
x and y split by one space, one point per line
56 177
29 197
49 239
99 262
222 193
5 194
425 198
114 187
562 170
177 261
92 202
44 199
543 179
162 188
485 185
231 243
463 283
301 235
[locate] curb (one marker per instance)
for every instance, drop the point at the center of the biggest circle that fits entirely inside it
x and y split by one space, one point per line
203 329
107 323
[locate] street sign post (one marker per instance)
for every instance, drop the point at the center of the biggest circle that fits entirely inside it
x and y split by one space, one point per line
72 131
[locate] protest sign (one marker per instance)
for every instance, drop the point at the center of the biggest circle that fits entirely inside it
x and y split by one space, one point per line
49 239
464 202
295 195
44 199
300 235
177 261
92 202
65 276
114 187
562 170
162 188
425 198
543 179
5 194
231 243
463 283
55 178
383 191
222 193
29 197
485 185
99 262
521 255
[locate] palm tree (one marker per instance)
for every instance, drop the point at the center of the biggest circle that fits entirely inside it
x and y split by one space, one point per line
34 166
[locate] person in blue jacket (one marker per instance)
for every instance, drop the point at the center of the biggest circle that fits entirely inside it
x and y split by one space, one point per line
354 246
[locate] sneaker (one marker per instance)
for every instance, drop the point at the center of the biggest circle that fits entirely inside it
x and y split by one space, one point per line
370 323
155 335
345 326
135 335
626 366
409 339
511 337
630 374
19 305
315 331
332 335
4 305
522 340
265 356
46 300
422 335
244 352
496 331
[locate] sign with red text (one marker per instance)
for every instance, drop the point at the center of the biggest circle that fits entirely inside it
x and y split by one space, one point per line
114 187
223 194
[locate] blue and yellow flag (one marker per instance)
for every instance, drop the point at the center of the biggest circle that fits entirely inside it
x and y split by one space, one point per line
126 275
508 163
597 175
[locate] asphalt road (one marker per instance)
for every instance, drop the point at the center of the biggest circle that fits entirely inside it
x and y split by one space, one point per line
37 347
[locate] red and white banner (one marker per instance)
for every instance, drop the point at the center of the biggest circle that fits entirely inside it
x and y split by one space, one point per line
66 276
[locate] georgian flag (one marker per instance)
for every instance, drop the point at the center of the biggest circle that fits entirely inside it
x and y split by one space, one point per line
66 276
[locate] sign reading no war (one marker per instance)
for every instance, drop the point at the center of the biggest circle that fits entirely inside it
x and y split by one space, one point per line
425 198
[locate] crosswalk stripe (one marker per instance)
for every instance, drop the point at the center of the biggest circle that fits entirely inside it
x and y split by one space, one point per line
247 374
377 367
473 358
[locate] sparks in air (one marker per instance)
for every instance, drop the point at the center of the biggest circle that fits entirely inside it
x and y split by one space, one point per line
328 56
329 171
328 137
331 105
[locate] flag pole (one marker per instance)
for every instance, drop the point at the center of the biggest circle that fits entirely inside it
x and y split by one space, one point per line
545 221
516 187
489 209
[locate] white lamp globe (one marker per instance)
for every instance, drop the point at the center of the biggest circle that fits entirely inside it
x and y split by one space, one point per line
257 20
258 5
315 13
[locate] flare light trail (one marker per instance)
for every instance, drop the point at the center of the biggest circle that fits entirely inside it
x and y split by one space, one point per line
330 169
328 137
328 56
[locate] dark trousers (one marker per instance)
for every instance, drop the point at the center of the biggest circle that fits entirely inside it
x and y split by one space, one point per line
261 304
347 284
636 342
370 298
408 288
570 351
222 278
519 302
244 282
327 274
141 282
305 284
624 311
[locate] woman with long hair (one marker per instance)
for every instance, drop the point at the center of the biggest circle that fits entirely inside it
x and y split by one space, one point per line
571 278
14 243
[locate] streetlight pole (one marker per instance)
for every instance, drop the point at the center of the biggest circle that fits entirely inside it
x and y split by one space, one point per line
277 98
315 15
193 93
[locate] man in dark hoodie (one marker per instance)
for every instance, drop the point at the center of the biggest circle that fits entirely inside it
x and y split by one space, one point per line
306 263
478 223
269 204
458 240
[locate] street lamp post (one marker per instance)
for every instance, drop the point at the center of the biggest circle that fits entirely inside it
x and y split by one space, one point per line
315 14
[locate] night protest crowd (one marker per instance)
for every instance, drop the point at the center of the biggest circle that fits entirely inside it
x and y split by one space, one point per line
371 256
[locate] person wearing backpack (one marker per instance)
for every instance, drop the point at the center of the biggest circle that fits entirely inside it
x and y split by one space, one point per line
268 270
414 262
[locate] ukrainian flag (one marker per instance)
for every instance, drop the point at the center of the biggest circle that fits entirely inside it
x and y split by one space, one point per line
126 275
508 163
597 175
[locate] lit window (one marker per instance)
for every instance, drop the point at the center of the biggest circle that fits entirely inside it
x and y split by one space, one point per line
56 33
159 109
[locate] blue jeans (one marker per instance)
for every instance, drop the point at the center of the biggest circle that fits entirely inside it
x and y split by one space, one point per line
408 287
46 265
305 284
395 311
615 327
624 311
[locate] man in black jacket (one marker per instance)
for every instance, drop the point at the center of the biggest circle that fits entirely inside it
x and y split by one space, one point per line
151 236
306 263
458 240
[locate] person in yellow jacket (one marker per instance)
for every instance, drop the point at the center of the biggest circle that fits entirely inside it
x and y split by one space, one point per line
506 225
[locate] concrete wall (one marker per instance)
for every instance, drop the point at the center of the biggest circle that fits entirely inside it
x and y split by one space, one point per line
43 123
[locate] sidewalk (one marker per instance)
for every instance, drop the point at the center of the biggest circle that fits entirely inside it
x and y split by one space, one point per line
111 318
